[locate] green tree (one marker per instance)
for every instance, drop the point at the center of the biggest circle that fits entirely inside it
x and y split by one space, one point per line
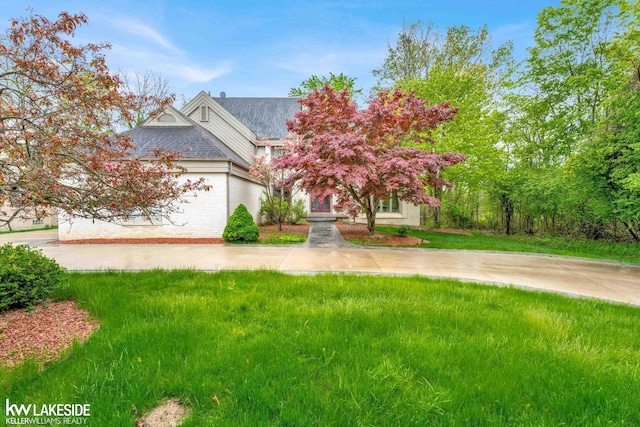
412 56
611 158
462 67
337 82
566 125
241 227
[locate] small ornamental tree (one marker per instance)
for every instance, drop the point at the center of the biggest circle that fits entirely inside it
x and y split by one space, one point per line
278 196
240 227
363 156
59 108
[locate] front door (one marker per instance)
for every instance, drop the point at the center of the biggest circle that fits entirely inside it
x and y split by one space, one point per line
318 205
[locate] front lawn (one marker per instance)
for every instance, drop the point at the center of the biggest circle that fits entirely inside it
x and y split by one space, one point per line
341 350
290 233
626 252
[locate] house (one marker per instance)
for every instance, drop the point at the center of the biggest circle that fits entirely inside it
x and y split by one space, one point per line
27 221
217 137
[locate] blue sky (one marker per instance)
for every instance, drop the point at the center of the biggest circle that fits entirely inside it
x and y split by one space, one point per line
264 48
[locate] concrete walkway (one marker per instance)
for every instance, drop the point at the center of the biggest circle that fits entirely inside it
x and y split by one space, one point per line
326 235
573 276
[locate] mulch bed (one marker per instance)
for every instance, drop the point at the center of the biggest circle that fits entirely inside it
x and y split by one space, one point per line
360 233
145 241
43 333
357 232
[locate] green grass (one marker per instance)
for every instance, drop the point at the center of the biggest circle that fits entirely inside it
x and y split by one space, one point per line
29 229
626 252
281 238
336 350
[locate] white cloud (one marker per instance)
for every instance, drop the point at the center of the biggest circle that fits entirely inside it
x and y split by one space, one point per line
199 74
145 32
322 63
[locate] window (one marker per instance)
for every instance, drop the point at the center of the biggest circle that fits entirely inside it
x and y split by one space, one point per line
138 219
318 205
390 204
204 113
37 222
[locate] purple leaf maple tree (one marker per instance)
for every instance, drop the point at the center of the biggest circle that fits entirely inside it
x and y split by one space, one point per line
362 156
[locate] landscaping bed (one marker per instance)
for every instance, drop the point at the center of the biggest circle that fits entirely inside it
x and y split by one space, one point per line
358 234
43 333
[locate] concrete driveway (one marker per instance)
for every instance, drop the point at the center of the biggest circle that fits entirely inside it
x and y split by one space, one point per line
573 276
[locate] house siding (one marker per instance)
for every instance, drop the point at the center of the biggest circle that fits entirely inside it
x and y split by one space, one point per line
223 125
204 216
246 192
409 215
29 223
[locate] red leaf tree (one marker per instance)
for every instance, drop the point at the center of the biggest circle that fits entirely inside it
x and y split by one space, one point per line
363 155
59 108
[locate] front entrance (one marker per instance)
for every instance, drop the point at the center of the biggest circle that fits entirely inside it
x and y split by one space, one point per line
318 205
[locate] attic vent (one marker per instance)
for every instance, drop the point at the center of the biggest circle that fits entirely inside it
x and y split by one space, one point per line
223 95
204 114
167 118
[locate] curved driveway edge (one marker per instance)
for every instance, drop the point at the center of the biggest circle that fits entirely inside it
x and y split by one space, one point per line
574 276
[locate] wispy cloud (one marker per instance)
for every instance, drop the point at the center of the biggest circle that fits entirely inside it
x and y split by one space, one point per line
146 32
322 60
199 74
140 46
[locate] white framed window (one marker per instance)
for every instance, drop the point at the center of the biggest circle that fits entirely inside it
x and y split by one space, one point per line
390 204
37 222
139 219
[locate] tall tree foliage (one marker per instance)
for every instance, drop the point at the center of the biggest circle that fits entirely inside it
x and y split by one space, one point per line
412 56
58 107
461 66
338 82
575 97
611 158
363 155
147 88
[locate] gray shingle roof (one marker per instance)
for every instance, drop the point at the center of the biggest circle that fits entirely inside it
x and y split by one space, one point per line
194 142
266 117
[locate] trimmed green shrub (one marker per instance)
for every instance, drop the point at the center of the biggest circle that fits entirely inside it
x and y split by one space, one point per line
26 276
403 231
240 227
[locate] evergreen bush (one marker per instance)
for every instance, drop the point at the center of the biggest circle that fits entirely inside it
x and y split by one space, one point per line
240 227
26 276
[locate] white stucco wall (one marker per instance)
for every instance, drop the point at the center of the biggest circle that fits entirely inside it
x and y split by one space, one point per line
409 215
204 216
246 192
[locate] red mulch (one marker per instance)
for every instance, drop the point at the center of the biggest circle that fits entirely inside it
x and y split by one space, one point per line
145 241
349 231
43 333
359 232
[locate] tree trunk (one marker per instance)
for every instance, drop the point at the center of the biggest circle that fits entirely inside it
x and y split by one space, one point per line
633 233
508 212
371 222
370 210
